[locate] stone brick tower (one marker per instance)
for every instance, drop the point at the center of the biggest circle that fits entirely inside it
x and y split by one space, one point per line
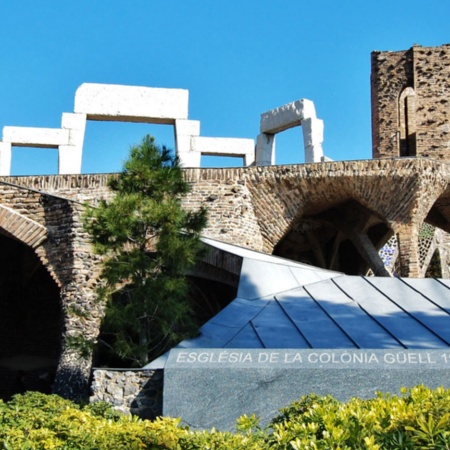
411 103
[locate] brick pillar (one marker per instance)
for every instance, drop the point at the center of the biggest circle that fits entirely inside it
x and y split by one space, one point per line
408 247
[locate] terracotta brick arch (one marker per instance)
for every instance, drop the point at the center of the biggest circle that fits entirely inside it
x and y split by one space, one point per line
22 228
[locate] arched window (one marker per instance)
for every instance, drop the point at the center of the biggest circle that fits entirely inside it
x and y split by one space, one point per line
407 122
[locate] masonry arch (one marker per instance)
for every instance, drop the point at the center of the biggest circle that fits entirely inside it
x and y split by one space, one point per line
434 238
345 237
30 311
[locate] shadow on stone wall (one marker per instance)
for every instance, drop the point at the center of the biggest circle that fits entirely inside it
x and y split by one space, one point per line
139 392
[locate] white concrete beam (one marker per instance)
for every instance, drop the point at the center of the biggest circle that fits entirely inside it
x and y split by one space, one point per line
313 138
131 103
76 124
36 137
235 147
265 150
70 156
185 131
5 158
286 116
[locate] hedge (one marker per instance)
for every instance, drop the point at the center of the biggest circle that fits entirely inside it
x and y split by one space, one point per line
417 418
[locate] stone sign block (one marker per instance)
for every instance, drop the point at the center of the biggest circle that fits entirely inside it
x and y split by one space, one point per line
213 387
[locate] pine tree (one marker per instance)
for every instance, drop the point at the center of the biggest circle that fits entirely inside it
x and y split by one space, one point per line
149 241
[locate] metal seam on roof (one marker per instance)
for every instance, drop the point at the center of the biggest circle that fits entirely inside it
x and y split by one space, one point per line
256 333
359 319
379 322
293 323
410 314
331 318
251 323
445 309
333 280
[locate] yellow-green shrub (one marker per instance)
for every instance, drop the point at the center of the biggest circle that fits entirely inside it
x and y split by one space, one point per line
418 418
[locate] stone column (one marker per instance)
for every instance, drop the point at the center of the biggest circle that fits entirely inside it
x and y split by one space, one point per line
408 247
82 312
5 158
367 250
265 150
313 138
70 155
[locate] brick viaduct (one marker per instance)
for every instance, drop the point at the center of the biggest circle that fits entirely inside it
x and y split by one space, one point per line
274 209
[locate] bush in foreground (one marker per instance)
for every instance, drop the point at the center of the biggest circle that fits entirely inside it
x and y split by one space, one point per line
418 418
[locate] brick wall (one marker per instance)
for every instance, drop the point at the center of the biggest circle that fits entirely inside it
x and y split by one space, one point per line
422 113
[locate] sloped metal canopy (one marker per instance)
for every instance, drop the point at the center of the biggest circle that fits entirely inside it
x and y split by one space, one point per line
284 304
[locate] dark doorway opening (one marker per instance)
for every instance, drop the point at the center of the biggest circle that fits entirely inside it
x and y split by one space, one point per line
30 321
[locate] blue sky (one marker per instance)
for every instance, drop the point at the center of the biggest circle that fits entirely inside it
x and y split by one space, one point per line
237 58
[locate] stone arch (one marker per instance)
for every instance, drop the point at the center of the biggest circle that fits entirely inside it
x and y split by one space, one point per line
22 228
30 310
27 231
345 237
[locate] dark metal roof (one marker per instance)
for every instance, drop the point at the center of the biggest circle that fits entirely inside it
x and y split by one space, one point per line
284 304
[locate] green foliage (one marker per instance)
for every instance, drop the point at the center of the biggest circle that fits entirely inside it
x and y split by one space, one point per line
419 418
149 241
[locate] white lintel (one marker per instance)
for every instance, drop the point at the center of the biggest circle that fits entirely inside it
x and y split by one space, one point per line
115 102
235 147
286 116
35 137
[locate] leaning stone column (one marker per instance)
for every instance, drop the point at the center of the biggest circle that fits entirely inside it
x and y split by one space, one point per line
367 250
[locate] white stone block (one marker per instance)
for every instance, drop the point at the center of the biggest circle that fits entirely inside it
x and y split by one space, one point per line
76 124
189 158
286 116
69 159
5 158
36 137
265 150
313 138
185 131
237 147
72 121
131 103
187 127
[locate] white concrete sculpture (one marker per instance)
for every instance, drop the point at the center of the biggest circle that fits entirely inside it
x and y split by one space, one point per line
109 102
68 140
131 103
301 112
244 148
